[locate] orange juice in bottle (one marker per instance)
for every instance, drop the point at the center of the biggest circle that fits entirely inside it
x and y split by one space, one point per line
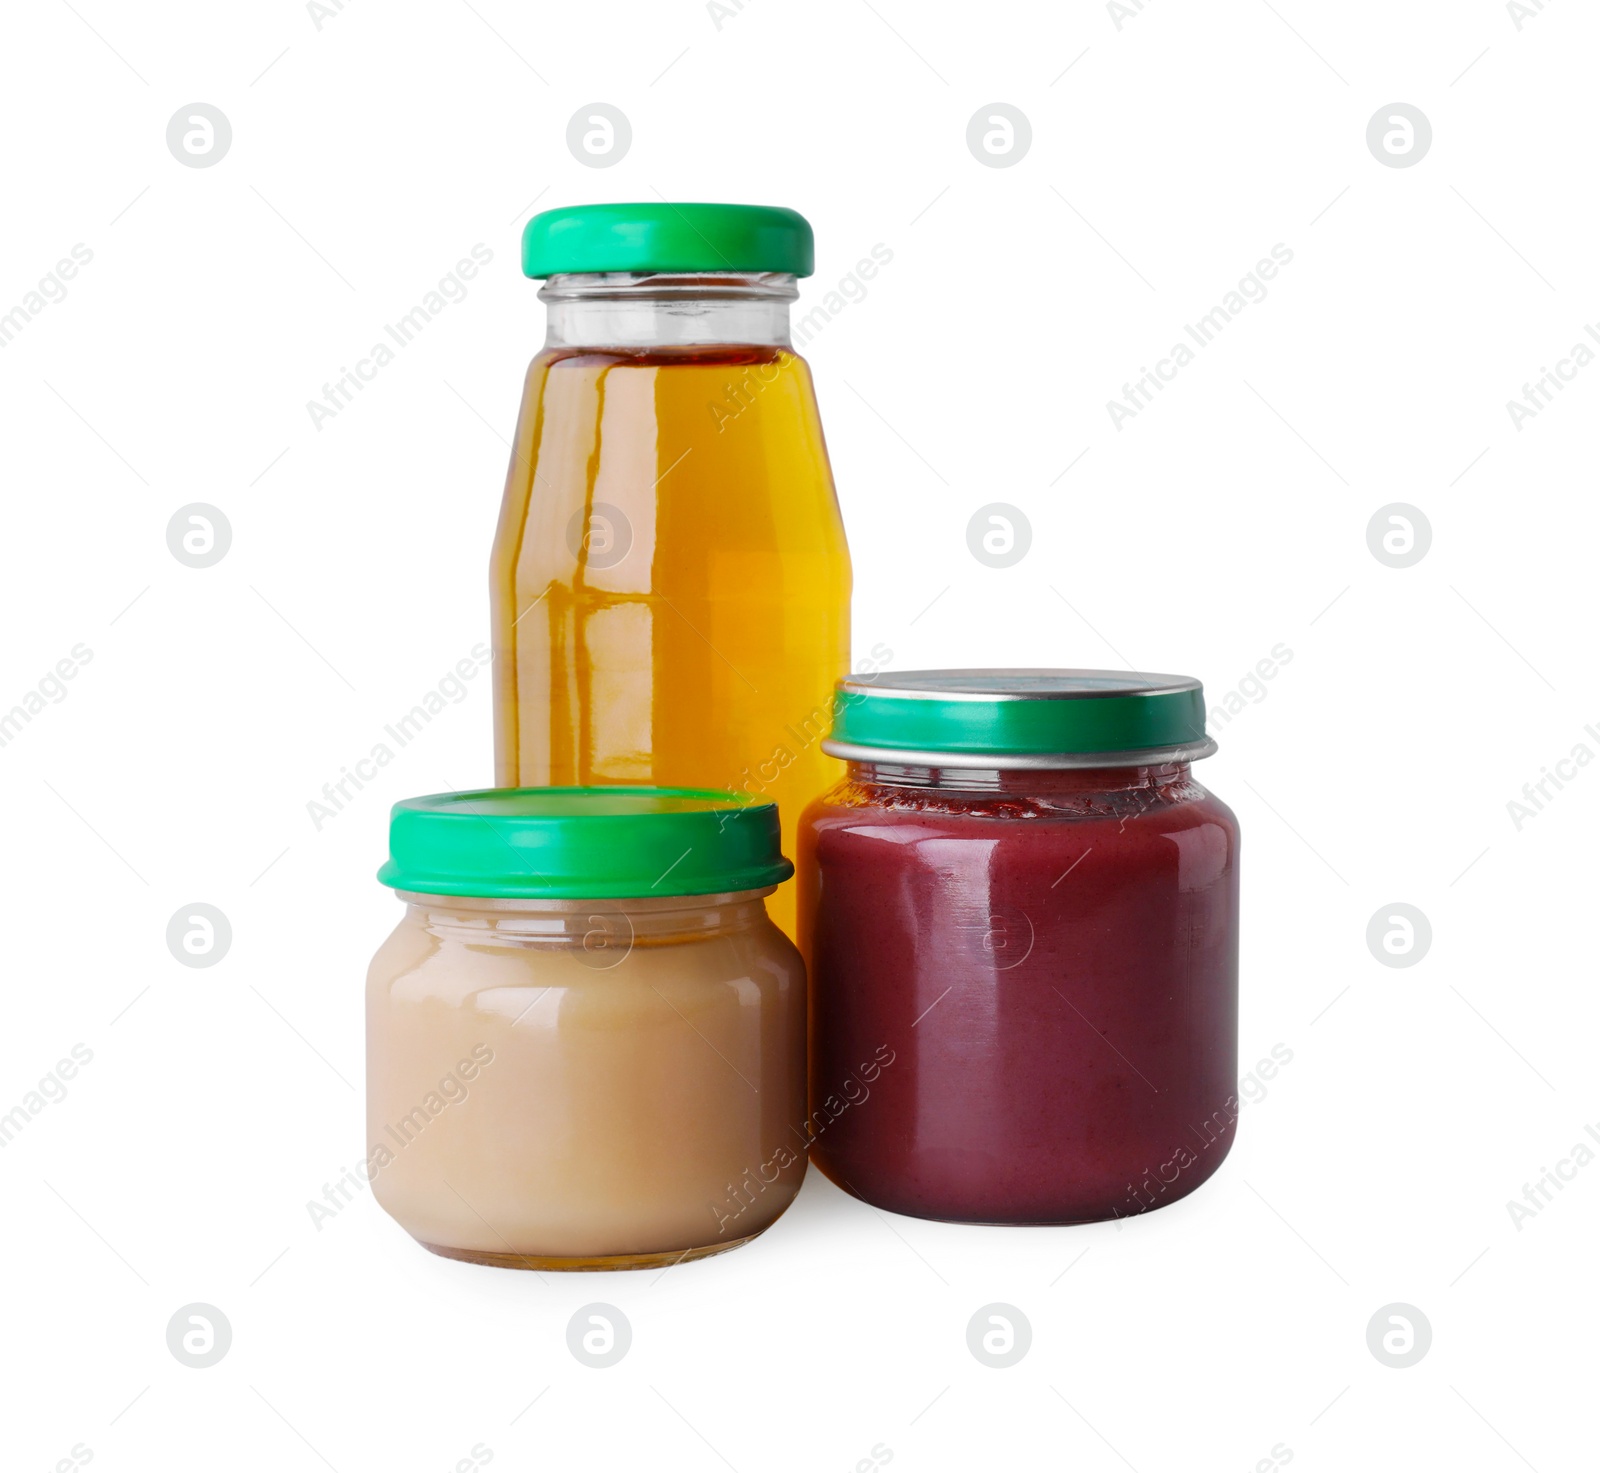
670 582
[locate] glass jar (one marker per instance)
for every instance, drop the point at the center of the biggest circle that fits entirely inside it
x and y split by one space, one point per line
1023 895
585 1038
670 585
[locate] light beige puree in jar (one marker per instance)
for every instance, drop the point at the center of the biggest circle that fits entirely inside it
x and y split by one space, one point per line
568 1083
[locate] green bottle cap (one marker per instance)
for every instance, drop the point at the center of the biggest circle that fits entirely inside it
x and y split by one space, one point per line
1019 718
583 843
666 237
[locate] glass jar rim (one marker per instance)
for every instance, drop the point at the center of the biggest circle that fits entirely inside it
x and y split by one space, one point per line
561 905
1023 761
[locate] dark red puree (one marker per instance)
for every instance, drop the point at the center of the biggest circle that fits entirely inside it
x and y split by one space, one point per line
1052 958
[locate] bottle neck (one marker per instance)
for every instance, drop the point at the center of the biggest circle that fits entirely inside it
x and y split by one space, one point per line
625 309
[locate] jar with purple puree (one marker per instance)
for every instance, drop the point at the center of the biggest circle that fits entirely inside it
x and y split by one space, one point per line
1020 911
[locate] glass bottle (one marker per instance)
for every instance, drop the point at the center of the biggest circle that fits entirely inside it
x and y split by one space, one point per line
670 581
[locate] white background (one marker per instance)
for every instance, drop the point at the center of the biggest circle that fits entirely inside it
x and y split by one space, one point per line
1168 156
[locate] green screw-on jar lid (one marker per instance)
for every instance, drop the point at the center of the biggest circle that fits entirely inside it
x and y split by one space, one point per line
667 237
583 843
1019 718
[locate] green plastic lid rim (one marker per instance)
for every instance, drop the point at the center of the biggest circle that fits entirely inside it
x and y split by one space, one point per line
1020 718
622 842
666 237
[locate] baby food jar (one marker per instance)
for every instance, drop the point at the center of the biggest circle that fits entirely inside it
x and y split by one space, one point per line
585 1038
1022 897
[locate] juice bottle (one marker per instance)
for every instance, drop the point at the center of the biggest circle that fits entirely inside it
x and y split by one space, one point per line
670 583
